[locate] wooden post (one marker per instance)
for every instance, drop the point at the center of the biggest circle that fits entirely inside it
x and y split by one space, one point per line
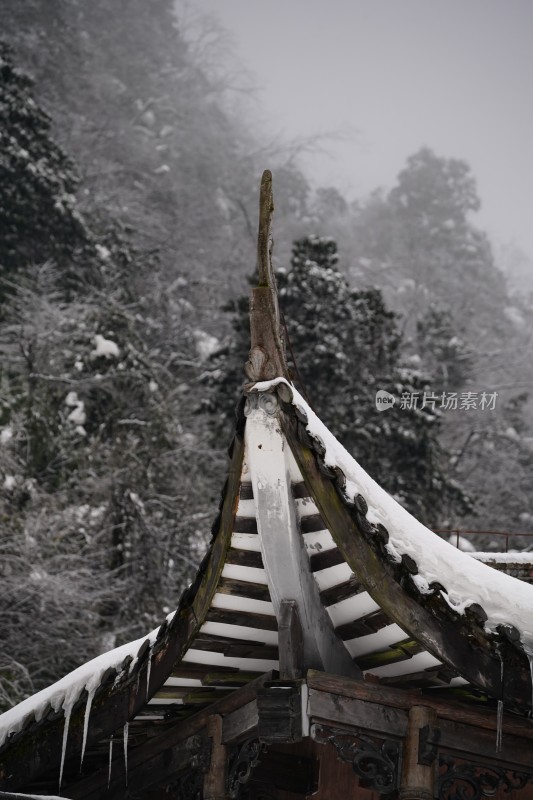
291 643
215 778
418 779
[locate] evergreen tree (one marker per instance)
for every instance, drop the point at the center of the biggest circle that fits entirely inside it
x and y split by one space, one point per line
347 347
443 351
38 210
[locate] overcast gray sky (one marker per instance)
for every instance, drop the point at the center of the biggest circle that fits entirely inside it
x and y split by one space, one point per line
456 75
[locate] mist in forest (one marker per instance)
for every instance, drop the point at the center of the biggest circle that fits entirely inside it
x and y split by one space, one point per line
134 138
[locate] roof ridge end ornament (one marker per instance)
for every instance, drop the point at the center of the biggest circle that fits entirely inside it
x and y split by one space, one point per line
267 348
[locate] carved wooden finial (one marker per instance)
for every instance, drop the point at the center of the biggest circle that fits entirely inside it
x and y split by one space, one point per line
267 351
264 236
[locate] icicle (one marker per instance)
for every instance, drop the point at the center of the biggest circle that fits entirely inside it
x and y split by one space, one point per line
110 760
68 711
126 727
528 650
499 721
499 711
148 670
90 695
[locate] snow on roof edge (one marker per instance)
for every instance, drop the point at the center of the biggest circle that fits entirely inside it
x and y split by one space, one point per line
505 599
67 691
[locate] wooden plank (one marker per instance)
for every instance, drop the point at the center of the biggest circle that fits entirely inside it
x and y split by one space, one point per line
466 741
392 655
244 558
241 724
245 619
235 648
312 524
291 646
219 644
371 623
188 669
379 719
245 525
223 679
246 491
342 591
325 559
400 698
300 491
432 677
258 650
247 589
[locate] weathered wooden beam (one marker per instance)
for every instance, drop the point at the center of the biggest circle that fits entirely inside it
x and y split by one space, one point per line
392 655
241 723
245 525
457 713
244 558
418 780
342 591
246 493
325 559
479 745
291 645
373 717
245 619
312 524
370 623
215 777
249 590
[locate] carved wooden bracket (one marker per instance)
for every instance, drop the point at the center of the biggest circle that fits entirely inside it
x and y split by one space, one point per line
243 760
460 780
376 762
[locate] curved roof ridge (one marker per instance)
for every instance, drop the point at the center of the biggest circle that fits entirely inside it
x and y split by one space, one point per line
466 581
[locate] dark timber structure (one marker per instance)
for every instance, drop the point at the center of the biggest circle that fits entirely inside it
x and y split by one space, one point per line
309 658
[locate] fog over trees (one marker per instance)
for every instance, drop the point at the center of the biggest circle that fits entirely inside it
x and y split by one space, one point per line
129 177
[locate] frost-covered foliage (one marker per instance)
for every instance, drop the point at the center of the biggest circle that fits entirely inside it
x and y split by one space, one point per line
346 347
38 208
103 515
443 349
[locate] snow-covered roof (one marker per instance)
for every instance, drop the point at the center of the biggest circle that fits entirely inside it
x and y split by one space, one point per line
276 539
465 580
